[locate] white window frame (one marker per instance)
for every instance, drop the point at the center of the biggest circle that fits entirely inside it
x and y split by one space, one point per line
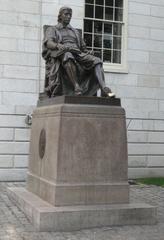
123 67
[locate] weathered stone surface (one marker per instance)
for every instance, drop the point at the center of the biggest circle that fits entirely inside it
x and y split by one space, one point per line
46 217
85 159
78 170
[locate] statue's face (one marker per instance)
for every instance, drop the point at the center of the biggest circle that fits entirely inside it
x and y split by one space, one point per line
66 17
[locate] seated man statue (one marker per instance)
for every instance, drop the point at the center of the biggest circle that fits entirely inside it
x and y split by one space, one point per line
70 68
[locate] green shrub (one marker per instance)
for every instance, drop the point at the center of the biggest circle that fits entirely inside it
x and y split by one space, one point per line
158 181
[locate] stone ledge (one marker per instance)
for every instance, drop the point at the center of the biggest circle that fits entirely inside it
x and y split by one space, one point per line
68 194
13 174
46 217
44 101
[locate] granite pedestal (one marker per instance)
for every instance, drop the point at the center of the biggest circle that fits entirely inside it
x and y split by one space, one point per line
77 174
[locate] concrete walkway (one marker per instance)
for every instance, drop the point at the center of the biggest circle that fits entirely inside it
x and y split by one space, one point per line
15 226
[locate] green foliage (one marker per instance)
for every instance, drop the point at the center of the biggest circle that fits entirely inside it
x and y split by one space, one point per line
151 181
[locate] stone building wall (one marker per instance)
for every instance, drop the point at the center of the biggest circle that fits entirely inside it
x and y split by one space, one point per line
141 89
19 82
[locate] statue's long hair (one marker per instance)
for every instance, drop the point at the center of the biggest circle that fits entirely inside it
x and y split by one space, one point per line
61 12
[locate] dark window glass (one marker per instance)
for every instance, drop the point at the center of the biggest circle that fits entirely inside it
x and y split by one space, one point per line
118 14
116 57
104 37
108 28
97 27
109 13
97 52
98 41
117 29
100 2
116 42
107 41
88 39
109 3
119 3
99 12
89 11
90 1
87 25
107 56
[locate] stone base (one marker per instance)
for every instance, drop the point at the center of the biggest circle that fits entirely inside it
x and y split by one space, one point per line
46 217
78 153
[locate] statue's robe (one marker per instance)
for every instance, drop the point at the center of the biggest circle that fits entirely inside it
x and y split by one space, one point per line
56 80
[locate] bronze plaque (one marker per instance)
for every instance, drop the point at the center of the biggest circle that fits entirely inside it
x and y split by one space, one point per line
42 143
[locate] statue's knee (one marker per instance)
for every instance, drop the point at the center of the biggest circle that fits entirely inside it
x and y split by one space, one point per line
68 64
99 65
67 57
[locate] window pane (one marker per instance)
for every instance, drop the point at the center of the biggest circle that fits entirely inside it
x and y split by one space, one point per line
90 1
100 2
116 42
97 52
88 39
99 12
119 3
98 27
87 25
107 41
109 3
98 41
109 13
117 29
118 14
89 11
107 56
108 28
116 57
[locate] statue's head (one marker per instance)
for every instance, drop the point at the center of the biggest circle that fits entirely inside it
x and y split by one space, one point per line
65 14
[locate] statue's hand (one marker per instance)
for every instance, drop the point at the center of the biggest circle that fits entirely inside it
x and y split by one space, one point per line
74 50
60 46
91 52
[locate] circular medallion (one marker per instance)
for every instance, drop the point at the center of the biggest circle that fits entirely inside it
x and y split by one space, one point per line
42 143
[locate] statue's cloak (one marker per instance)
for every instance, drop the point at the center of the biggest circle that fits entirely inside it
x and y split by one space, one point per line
56 81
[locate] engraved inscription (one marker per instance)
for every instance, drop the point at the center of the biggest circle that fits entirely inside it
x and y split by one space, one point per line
42 143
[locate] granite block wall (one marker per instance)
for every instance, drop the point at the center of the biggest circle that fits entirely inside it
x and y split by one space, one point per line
19 82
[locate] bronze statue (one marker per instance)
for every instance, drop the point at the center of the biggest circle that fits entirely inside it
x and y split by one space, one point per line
70 68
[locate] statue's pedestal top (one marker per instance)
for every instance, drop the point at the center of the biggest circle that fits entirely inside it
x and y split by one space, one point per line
45 101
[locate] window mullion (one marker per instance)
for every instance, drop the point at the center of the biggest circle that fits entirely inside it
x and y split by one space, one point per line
94 9
93 25
93 35
104 10
102 50
114 8
108 21
112 43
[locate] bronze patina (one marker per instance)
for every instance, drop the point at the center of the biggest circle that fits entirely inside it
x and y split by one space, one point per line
70 68
42 143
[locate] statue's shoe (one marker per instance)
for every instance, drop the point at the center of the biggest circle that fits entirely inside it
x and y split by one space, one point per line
107 92
78 91
111 95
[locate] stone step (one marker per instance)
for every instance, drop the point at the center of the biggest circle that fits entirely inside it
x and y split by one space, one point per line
46 217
